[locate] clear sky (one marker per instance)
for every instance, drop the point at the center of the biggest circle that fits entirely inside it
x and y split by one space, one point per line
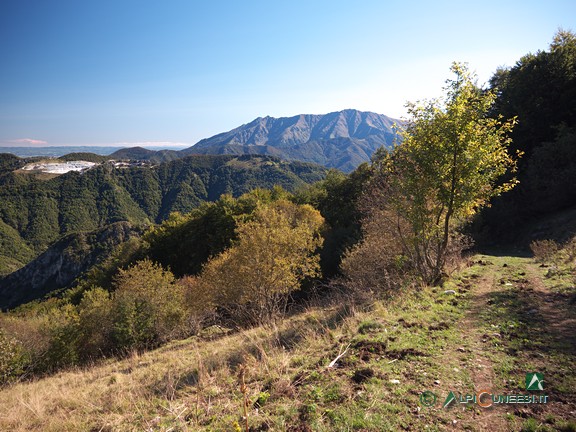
127 72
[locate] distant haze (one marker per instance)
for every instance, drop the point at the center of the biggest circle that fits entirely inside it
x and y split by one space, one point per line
58 151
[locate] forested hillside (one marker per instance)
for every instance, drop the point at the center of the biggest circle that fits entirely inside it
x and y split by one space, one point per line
35 211
540 90
63 262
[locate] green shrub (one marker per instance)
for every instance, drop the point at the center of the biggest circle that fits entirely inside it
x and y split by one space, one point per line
63 335
13 359
147 307
95 322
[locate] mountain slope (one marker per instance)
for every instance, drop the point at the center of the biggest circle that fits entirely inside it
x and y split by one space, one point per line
140 153
34 212
61 263
340 140
486 335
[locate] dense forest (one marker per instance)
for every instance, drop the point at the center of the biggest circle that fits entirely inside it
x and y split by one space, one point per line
266 239
35 210
539 91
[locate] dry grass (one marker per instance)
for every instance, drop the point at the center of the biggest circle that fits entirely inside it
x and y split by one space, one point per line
394 350
185 385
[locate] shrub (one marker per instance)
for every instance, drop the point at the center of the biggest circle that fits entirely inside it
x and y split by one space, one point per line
13 359
274 253
148 306
544 250
372 268
200 301
63 334
95 323
47 334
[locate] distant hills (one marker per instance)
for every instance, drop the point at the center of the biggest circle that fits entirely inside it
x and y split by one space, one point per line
57 151
140 153
341 140
37 210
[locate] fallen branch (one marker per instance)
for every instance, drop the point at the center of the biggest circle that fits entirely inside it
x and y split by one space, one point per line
338 357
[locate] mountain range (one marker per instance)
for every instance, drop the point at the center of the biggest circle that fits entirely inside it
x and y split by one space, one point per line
341 140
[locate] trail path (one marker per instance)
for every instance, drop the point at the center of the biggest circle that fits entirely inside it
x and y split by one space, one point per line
517 321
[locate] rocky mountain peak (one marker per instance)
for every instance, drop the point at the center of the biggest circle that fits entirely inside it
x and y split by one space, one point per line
341 139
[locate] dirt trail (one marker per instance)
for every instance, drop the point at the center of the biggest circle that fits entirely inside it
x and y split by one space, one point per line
515 324
480 367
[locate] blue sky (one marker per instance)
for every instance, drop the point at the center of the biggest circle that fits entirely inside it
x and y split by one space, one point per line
131 72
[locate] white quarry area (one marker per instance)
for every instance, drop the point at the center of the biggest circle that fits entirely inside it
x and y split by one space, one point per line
59 167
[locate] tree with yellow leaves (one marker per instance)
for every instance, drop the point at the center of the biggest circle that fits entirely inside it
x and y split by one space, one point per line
274 253
447 167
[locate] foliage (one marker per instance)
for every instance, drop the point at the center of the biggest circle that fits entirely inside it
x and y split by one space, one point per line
9 162
102 274
12 358
95 324
273 254
46 335
15 251
68 258
62 334
550 174
39 211
336 197
199 300
446 168
376 266
147 306
185 242
84 156
540 90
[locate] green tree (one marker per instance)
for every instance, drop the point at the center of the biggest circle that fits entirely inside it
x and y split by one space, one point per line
336 197
185 242
274 253
446 168
540 90
147 306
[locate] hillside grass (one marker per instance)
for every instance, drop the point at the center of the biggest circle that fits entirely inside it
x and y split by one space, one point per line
422 339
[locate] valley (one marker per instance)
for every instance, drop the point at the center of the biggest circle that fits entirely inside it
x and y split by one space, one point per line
315 272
